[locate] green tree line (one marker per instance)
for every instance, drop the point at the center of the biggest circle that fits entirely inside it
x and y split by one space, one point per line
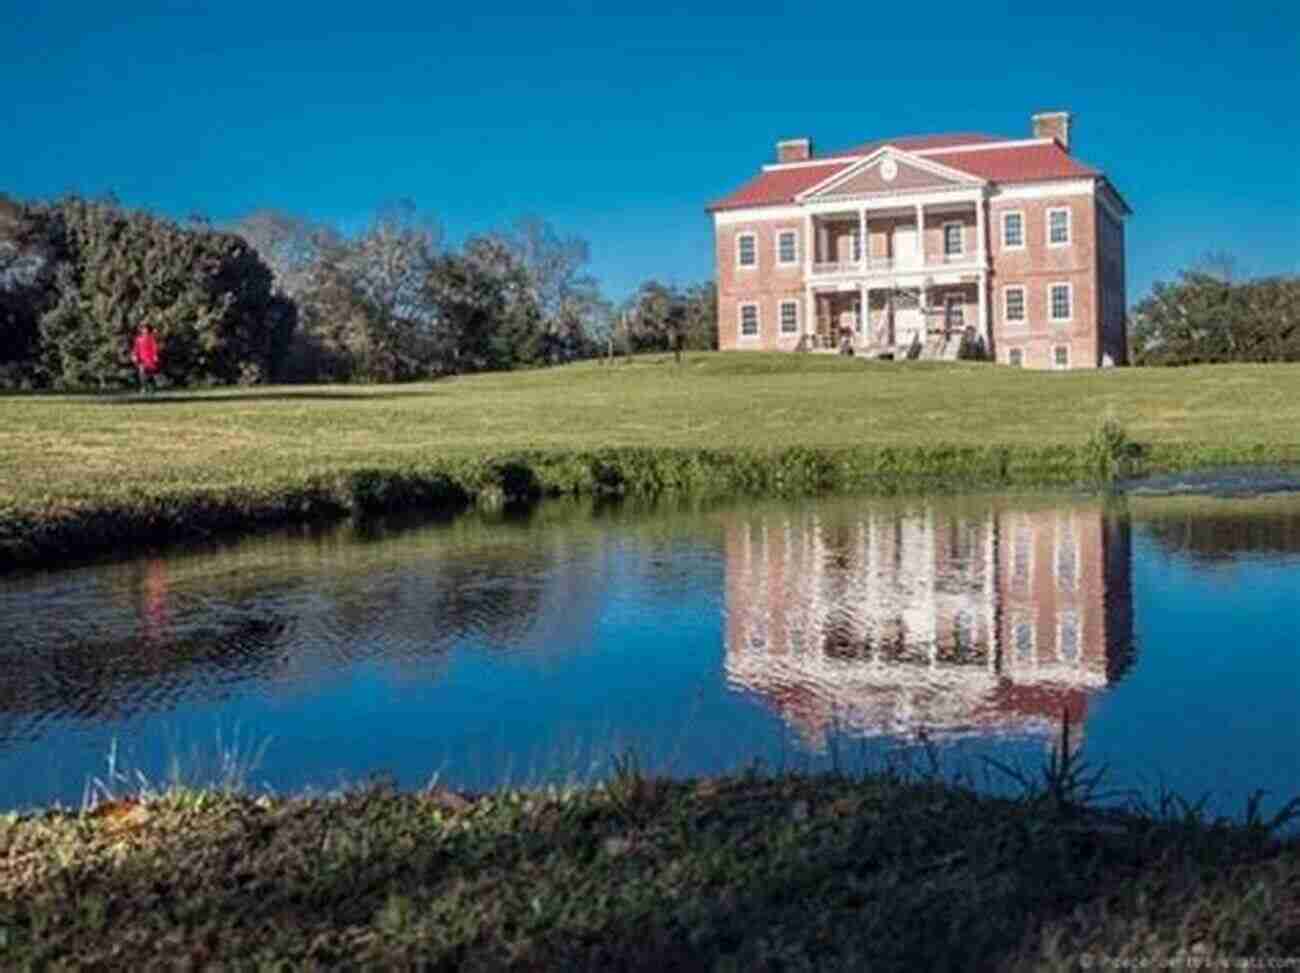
274 297
1206 317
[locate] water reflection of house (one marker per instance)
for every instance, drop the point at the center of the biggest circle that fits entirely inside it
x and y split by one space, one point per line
896 621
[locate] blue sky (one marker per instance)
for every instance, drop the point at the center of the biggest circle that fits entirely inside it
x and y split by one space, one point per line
621 123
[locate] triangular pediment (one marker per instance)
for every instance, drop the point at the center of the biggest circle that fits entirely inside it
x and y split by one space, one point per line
890 171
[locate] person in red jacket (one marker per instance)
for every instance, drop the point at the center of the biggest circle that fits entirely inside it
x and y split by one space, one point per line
145 355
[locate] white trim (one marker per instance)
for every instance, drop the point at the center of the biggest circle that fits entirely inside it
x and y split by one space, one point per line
1077 617
961 238
753 235
1016 350
780 317
1113 202
829 160
961 179
1070 295
937 150
777 248
1064 530
1069 227
1057 366
1002 221
757 214
740 321
1007 320
981 146
1045 189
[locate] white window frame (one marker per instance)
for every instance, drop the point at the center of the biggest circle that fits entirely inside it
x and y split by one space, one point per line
1051 305
1057 365
1069 226
1074 616
1065 534
1016 351
1007 319
1013 246
961 239
1017 620
793 261
740 236
780 317
740 321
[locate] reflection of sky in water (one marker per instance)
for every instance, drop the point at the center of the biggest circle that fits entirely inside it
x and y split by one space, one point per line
805 634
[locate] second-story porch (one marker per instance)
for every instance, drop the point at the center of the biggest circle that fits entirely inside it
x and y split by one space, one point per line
881 240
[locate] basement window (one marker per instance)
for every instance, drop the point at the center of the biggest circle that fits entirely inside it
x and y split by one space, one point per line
1061 356
1016 358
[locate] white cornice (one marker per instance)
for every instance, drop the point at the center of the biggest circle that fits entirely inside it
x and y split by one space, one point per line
938 150
961 179
981 146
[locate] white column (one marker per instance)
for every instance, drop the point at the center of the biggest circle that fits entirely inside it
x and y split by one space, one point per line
979 232
920 234
862 238
808 246
864 316
984 311
810 313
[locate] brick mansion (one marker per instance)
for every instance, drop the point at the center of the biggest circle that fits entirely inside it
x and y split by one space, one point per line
922 246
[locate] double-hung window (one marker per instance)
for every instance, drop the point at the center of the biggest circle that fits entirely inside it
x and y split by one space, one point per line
789 317
787 248
1013 299
746 250
952 240
1013 230
749 320
1058 227
1060 302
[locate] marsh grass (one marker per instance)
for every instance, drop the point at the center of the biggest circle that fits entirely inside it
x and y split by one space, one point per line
87 474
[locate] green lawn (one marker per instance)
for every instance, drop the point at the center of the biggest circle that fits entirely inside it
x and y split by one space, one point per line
80 453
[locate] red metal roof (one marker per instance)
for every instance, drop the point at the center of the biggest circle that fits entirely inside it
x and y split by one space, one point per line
778 186
1020 163
914 143
1014 163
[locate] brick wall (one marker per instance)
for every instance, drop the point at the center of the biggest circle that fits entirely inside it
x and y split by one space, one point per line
767 285
1036 267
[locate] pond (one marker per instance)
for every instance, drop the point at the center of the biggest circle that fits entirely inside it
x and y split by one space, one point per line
534 647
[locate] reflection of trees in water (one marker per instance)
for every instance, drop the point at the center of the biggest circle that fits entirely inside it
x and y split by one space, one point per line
1205 534
112 640
113 679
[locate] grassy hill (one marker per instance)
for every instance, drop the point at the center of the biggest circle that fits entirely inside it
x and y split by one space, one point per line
282 446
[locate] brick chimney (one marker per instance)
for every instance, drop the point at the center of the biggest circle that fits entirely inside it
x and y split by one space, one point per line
1053 125
794 150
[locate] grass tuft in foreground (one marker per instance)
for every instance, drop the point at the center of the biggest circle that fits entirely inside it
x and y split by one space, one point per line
734 873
